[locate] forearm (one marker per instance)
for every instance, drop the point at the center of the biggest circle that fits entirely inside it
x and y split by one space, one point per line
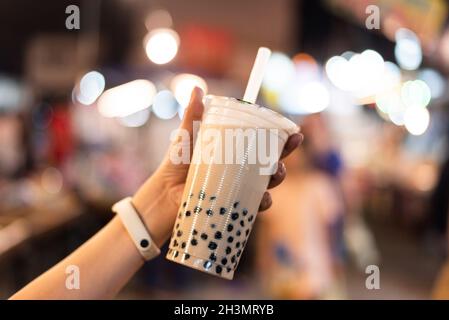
106 262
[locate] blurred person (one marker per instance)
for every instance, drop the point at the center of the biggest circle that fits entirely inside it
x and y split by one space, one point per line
109 259
299 240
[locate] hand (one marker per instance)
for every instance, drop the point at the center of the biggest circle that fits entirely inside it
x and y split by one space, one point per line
159 198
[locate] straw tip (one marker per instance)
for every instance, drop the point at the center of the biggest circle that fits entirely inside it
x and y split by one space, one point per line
264 50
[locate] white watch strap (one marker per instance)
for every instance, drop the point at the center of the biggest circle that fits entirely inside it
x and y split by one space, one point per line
136 228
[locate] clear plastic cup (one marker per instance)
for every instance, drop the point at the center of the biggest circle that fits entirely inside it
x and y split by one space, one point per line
237 149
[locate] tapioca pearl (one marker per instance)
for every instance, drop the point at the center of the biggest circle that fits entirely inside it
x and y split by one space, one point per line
237 245
177 226
176 254
209 212
186 256
222 211
191 195
188 213
202 195
194 232
230 227
228 269
213 225
170 251
244 212
234 216
212 245
183 245
236 204
233 259
224 261
218 269
184 204
242 223
213 256
228 250
251 217
175 243
213 198
197 209
204 236
180 215
238 233
179 233
218 235
239 253
193 242
247 232
230 239
207 265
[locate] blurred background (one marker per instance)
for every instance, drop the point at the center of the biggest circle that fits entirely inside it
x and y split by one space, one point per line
85 118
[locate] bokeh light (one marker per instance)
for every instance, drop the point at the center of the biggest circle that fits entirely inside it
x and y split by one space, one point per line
416 120
165 105
127 99
159 18
407 51
182 86
434 80
161 45
51 180
415 94
137 119
280 71
91 86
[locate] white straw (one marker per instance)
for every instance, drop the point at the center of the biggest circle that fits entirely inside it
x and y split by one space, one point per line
256 76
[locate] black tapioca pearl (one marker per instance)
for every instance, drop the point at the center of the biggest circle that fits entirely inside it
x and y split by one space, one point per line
197 209
230 227
184 204
251 217
180 215
224 261
186 256
236 204
242 223
201 195
228 250
177 225
175 243
233 259
230 239
238 233
194 232
209 212
176 254
213 198
234 216
212 245
188 213
244 212
218 269
183 245
191 195
247 232
204 236
237 245
222 211
179 233
228 269
239 253
194 242
218 235
207 265
213 225
170 251
213 257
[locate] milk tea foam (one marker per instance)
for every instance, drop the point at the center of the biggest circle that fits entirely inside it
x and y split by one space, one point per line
237 147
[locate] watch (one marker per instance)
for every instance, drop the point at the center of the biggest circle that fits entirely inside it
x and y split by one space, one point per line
136 228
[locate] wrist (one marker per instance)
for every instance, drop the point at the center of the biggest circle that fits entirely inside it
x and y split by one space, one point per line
154 201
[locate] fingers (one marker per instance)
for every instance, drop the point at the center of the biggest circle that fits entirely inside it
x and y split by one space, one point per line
194 110
266 202
292 143
278 176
